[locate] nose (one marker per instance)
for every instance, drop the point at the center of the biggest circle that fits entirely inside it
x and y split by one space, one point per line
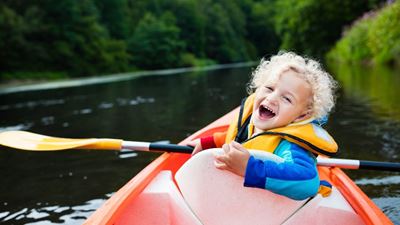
272 98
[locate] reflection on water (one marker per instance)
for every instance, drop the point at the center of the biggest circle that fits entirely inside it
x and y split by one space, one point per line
65 187
366 124
379 85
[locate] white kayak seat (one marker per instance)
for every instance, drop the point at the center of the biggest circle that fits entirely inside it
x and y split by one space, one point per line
218 197
332 210
160 203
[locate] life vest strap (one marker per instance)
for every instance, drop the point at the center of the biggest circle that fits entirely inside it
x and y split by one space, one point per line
310 146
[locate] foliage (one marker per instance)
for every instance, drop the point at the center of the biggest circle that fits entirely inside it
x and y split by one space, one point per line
190 60
92 37
192 23
353 47
222 41
384 35
13 42
261 27
313 26
114 16
153 42
375 38
32 76
58 36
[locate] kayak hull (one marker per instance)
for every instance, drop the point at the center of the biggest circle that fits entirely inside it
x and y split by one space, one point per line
153 197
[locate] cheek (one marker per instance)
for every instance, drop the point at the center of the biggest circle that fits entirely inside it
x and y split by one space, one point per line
257 100
256 105
289 111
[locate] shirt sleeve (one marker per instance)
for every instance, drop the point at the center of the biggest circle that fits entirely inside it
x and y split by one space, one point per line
214 141
296 177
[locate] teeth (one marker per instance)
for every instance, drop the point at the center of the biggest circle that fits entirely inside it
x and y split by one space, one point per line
269 109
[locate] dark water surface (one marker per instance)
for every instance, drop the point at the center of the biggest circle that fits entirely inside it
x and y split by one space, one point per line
65 187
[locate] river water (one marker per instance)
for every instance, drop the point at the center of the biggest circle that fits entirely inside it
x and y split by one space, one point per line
65 187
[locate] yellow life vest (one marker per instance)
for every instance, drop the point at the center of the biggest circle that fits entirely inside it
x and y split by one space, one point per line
308 135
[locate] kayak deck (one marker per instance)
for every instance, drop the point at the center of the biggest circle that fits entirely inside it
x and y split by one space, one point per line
152 196
218 198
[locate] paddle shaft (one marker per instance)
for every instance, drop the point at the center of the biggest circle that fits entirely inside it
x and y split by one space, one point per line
148 146
329 162
358 164
36 142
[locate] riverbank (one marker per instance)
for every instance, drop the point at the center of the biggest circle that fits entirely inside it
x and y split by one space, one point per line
33 85
372 39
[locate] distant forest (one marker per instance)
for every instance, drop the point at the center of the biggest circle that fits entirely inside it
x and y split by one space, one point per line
93 37
374 39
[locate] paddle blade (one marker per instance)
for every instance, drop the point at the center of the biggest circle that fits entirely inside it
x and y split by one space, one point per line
36 142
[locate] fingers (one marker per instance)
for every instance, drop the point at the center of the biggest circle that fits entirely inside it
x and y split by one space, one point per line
240 149
229 150
222 158
226 147
220 165
220 162
237 146
234 158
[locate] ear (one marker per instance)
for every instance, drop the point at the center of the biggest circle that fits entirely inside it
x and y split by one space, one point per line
305 115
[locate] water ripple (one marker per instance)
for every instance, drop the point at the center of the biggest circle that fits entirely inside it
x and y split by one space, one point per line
379 181
53 214
390 206
26 126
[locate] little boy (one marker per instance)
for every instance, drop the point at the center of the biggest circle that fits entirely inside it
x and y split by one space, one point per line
283 116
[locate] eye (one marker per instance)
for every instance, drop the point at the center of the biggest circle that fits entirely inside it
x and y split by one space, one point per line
269 89
287 99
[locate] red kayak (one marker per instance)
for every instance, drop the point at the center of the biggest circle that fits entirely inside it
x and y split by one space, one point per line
178 189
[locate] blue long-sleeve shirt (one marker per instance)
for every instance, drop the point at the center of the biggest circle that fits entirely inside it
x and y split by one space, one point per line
296 177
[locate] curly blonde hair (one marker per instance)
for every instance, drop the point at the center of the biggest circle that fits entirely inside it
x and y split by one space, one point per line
322 84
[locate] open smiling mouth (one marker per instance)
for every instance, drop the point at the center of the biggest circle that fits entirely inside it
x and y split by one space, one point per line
265 112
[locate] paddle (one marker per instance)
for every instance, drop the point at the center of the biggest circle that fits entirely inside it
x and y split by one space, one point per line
36 142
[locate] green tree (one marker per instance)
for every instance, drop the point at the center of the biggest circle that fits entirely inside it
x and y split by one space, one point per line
62 36
261 30
114 16
222 42
136 10
13 42
192 22
155 43
81 45
313 26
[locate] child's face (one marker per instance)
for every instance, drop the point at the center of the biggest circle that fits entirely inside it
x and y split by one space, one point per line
285 101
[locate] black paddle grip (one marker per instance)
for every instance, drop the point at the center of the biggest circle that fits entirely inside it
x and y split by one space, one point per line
373 165
171 148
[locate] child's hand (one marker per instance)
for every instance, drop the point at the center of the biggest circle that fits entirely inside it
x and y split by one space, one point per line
234 159
197 146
